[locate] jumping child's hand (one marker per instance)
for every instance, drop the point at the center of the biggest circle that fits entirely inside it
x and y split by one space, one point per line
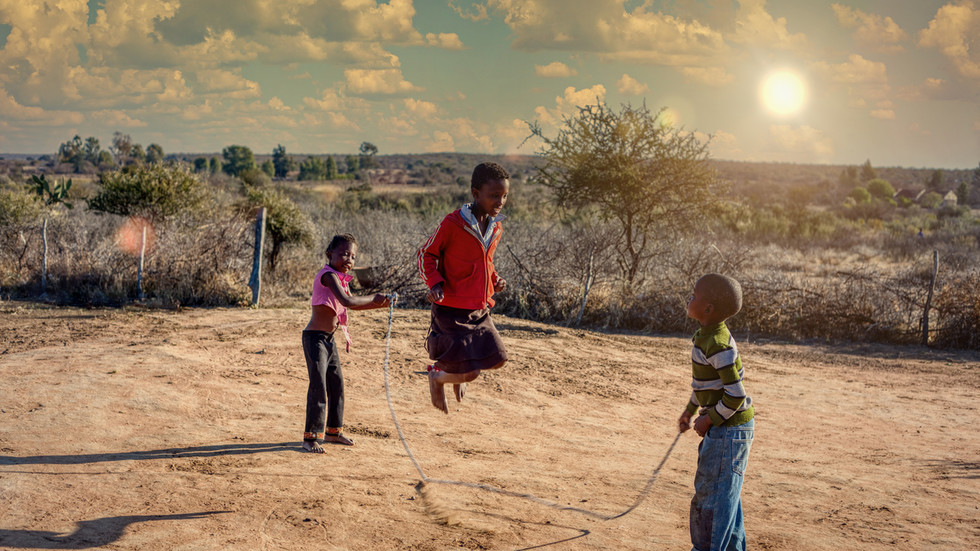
435 294
702 424
499 285
685 421
381 300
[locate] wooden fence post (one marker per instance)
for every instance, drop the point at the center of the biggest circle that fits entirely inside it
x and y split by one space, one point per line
932 285
139 270
44 257
255 282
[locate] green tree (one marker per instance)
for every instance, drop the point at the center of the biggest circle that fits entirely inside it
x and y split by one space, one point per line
105 160
881 189
848 178
935 182
269 168
931 200
236 159
651 178
137 153
312 168
353 164
73 152
366 159
121 148
156 191
201 164
51 196
282 162
154 153
331 168
867 172
860 195
92 150
215 165
286 223
962 194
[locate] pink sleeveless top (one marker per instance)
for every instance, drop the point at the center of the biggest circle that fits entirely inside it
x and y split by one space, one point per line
323 296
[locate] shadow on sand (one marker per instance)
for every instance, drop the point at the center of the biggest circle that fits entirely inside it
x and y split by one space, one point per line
89 534
168 453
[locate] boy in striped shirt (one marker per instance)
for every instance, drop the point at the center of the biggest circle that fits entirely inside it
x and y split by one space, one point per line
725 417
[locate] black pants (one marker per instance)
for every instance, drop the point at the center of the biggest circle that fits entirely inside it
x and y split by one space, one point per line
325 396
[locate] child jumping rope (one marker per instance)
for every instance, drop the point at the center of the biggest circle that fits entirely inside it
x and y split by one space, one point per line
456 264
331 299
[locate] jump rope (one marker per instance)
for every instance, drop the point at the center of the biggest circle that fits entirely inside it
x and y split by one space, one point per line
443 513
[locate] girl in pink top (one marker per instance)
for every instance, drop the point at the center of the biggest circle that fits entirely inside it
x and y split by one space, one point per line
331 299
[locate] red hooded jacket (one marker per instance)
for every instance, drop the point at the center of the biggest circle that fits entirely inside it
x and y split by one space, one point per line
456 256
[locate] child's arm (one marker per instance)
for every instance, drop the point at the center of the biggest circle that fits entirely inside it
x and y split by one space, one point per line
354 302
685 421
429 259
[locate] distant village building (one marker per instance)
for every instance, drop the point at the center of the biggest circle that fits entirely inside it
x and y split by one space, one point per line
949 200
910 194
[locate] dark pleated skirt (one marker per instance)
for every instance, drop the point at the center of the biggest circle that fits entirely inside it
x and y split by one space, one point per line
461 341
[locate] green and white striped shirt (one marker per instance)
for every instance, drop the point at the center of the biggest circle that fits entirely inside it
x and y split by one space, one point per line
717 378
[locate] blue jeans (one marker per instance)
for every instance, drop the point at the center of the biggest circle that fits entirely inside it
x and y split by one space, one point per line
716 509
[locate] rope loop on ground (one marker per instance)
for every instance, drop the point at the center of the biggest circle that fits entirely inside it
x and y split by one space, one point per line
425 479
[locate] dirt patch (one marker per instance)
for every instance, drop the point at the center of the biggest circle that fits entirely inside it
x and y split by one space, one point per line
147 429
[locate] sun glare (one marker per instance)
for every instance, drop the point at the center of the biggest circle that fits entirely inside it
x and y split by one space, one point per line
783 93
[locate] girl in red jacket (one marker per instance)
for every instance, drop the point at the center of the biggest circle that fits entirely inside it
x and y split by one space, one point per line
456 264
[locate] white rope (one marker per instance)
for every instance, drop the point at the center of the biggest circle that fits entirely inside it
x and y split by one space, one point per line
401 435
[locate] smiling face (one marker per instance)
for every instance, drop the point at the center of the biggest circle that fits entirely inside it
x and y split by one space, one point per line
490 198
341 257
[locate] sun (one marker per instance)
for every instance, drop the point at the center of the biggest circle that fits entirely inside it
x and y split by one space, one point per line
783 93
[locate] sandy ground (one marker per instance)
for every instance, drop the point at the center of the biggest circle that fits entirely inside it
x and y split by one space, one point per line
148 429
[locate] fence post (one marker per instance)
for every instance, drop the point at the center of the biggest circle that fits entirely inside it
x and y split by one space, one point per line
932 285
255 282
139 270
44 257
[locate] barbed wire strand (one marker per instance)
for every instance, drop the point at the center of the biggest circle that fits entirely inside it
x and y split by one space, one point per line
644 493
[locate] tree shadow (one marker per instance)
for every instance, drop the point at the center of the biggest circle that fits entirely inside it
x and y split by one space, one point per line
955 468
216 450
89 533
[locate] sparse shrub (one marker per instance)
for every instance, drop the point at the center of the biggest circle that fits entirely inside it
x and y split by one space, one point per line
155 191
285 222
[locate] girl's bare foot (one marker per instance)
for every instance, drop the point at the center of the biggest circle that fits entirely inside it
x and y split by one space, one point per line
312 446
459 390
337 439
437 392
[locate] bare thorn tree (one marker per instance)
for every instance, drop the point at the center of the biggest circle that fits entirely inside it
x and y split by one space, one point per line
629 166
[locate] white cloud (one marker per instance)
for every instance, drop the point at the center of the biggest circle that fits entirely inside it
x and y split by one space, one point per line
724 145
864 80
883 114
555 69
803 141
479 12
630 86
874 31
441 142
447 41
11 110
378 82
954 31
114 118
420 108
568 103
754 26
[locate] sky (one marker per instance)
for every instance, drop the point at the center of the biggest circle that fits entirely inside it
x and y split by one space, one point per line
896 82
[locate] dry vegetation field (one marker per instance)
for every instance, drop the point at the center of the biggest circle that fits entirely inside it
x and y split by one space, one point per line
135 428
